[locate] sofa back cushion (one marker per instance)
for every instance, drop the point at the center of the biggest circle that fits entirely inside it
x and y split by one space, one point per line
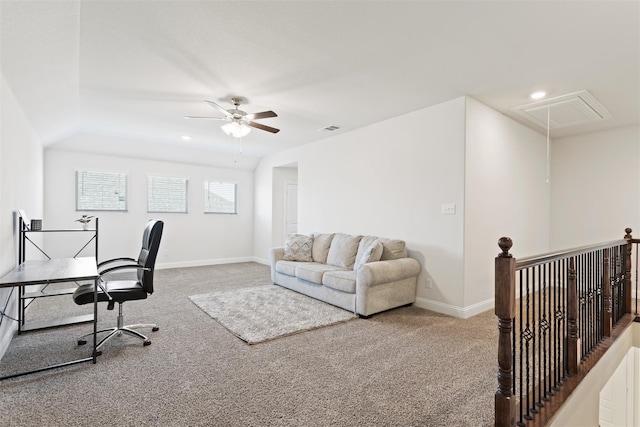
298 248
393 249
343 250
368 251
321 245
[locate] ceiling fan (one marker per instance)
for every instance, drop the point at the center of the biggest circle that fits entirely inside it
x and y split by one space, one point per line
239 121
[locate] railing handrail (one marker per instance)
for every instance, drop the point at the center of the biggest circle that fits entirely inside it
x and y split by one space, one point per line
567 253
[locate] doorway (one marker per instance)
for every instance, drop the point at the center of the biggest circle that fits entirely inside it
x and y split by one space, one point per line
290 208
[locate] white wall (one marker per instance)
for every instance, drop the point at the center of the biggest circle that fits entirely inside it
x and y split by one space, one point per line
595 187
506 194
388 179
20 188
189 239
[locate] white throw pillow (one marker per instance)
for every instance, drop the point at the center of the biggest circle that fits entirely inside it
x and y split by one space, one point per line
372 253
343 250
393 249
298 248
321 245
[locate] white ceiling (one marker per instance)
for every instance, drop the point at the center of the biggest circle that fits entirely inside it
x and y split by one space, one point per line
88 71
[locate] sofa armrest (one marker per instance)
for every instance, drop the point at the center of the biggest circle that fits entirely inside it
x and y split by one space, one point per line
275 255
380 272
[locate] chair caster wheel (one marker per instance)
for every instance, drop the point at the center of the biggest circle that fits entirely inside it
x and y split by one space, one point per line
82 342
155 328
146 343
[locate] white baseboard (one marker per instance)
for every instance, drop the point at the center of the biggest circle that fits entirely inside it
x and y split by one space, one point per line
452 310
5 339
203 262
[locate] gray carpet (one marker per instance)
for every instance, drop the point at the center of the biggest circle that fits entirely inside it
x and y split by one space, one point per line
404 367
264 313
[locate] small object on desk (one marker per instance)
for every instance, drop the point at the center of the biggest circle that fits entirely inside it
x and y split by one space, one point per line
85 220
36 224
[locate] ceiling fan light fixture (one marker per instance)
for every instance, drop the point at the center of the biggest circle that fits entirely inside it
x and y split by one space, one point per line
235 129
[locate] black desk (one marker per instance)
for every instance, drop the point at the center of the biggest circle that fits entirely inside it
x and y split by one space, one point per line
36 272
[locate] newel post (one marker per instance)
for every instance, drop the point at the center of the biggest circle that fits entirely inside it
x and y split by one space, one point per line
573 340
505 302
627 271
606 293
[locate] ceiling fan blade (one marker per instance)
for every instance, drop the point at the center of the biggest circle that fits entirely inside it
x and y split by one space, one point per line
261 115
262 127
209 118
213 104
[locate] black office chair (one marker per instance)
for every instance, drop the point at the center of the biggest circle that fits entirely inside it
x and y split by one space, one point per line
120 291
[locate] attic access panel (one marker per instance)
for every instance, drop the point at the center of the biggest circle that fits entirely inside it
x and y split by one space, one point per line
563 111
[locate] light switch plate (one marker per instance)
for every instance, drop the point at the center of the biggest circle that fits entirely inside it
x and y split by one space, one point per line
449 209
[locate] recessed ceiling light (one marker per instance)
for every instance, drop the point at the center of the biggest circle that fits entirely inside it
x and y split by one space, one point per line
186 137
538 95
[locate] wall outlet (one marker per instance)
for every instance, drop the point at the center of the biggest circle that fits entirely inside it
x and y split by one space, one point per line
428 282
449 209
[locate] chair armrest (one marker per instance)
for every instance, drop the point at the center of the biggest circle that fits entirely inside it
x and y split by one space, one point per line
109 261
123 267
380 272
104 290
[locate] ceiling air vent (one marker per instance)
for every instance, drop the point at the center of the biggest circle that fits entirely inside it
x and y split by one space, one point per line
566 110
329 128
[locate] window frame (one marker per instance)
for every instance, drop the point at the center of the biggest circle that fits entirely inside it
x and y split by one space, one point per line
150 177
207 190
121 175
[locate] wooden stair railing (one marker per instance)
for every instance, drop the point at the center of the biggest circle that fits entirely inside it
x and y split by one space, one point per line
557 314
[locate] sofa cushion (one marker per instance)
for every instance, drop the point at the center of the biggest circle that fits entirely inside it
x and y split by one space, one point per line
371 253
298 248
321 244
393 249
344 281
343 250
287 267
313 272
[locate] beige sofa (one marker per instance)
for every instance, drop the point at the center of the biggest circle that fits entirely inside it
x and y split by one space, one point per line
363 274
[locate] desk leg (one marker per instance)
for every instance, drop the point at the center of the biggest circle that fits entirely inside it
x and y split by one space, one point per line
95 320
20 309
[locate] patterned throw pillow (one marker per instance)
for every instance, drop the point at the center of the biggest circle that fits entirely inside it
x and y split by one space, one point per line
298 248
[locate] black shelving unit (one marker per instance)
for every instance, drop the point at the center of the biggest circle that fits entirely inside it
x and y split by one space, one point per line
27 298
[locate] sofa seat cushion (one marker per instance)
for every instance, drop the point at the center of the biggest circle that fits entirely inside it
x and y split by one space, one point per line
288 267
313 271
344 281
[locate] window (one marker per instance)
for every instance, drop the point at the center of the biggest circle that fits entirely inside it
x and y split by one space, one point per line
101 191
167 194
220 197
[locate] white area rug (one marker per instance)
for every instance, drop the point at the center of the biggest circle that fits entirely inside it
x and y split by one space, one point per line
266 312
